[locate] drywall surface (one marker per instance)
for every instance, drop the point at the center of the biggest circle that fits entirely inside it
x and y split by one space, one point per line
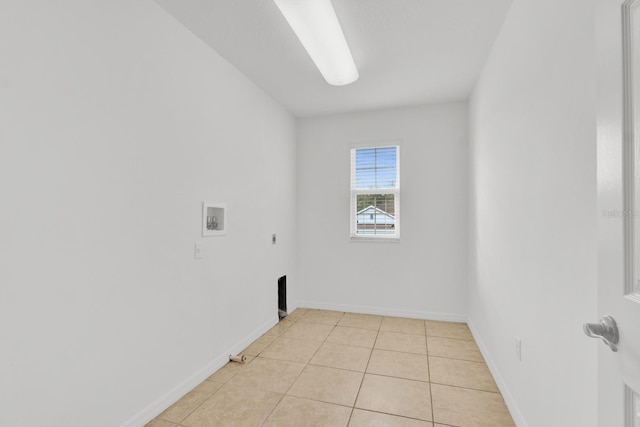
533 212
116 123
423 275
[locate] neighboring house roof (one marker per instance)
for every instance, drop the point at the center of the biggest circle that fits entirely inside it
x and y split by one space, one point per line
372 209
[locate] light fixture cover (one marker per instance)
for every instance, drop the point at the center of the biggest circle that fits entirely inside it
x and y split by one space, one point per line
316 25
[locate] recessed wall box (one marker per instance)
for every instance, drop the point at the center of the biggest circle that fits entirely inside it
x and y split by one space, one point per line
214 219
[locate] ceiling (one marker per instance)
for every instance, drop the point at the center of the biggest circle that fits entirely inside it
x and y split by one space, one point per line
408 52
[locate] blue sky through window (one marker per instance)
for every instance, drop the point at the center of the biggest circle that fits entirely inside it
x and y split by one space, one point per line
376 167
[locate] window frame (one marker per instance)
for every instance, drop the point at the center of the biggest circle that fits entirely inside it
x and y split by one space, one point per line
354 192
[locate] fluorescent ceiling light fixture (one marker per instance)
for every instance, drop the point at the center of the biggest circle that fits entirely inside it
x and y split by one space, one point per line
316 25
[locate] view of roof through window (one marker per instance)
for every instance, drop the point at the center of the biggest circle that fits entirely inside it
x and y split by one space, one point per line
374 212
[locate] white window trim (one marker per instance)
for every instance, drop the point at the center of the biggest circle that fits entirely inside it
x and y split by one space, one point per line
395 238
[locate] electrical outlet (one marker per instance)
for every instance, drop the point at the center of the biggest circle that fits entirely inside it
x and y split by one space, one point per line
198 251
519 349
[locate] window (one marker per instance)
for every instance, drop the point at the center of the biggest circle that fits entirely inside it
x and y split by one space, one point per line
375 192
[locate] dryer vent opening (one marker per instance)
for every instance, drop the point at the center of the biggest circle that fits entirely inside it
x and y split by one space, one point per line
282 297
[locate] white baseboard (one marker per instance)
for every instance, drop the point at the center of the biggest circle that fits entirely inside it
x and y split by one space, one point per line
173 395
512 405
291 306
415 314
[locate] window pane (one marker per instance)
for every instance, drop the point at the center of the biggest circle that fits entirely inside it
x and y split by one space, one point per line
375 214
366 178
376 168
386 178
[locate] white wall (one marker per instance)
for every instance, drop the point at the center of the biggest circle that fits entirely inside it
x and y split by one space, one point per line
533 211
115 124
425 274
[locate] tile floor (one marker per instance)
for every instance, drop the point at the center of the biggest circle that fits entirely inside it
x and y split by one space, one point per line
324 368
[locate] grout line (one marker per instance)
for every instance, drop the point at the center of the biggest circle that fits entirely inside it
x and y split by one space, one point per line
272 409
321 401
426 340
460 360
353 407
224 384
284 394
403 352
467 388
363 375
333 367
396 377
403 333
452 338
359 327
399 416
298 376
196 408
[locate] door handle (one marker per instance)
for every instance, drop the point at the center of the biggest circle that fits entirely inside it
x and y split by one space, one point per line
607 330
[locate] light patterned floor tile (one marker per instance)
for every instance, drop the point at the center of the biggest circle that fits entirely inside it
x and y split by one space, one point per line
298 412
258 345
310 372
268 375
409 343
185 406
308 331
396 396
469 408
403 325
401 365
322 316
208 387
461 373
448 330
327 385
361 418
281 327
291 349
342 357
234 406
297 314
363 321
454 349
353 336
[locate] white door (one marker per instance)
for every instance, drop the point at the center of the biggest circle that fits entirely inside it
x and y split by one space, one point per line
618 115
